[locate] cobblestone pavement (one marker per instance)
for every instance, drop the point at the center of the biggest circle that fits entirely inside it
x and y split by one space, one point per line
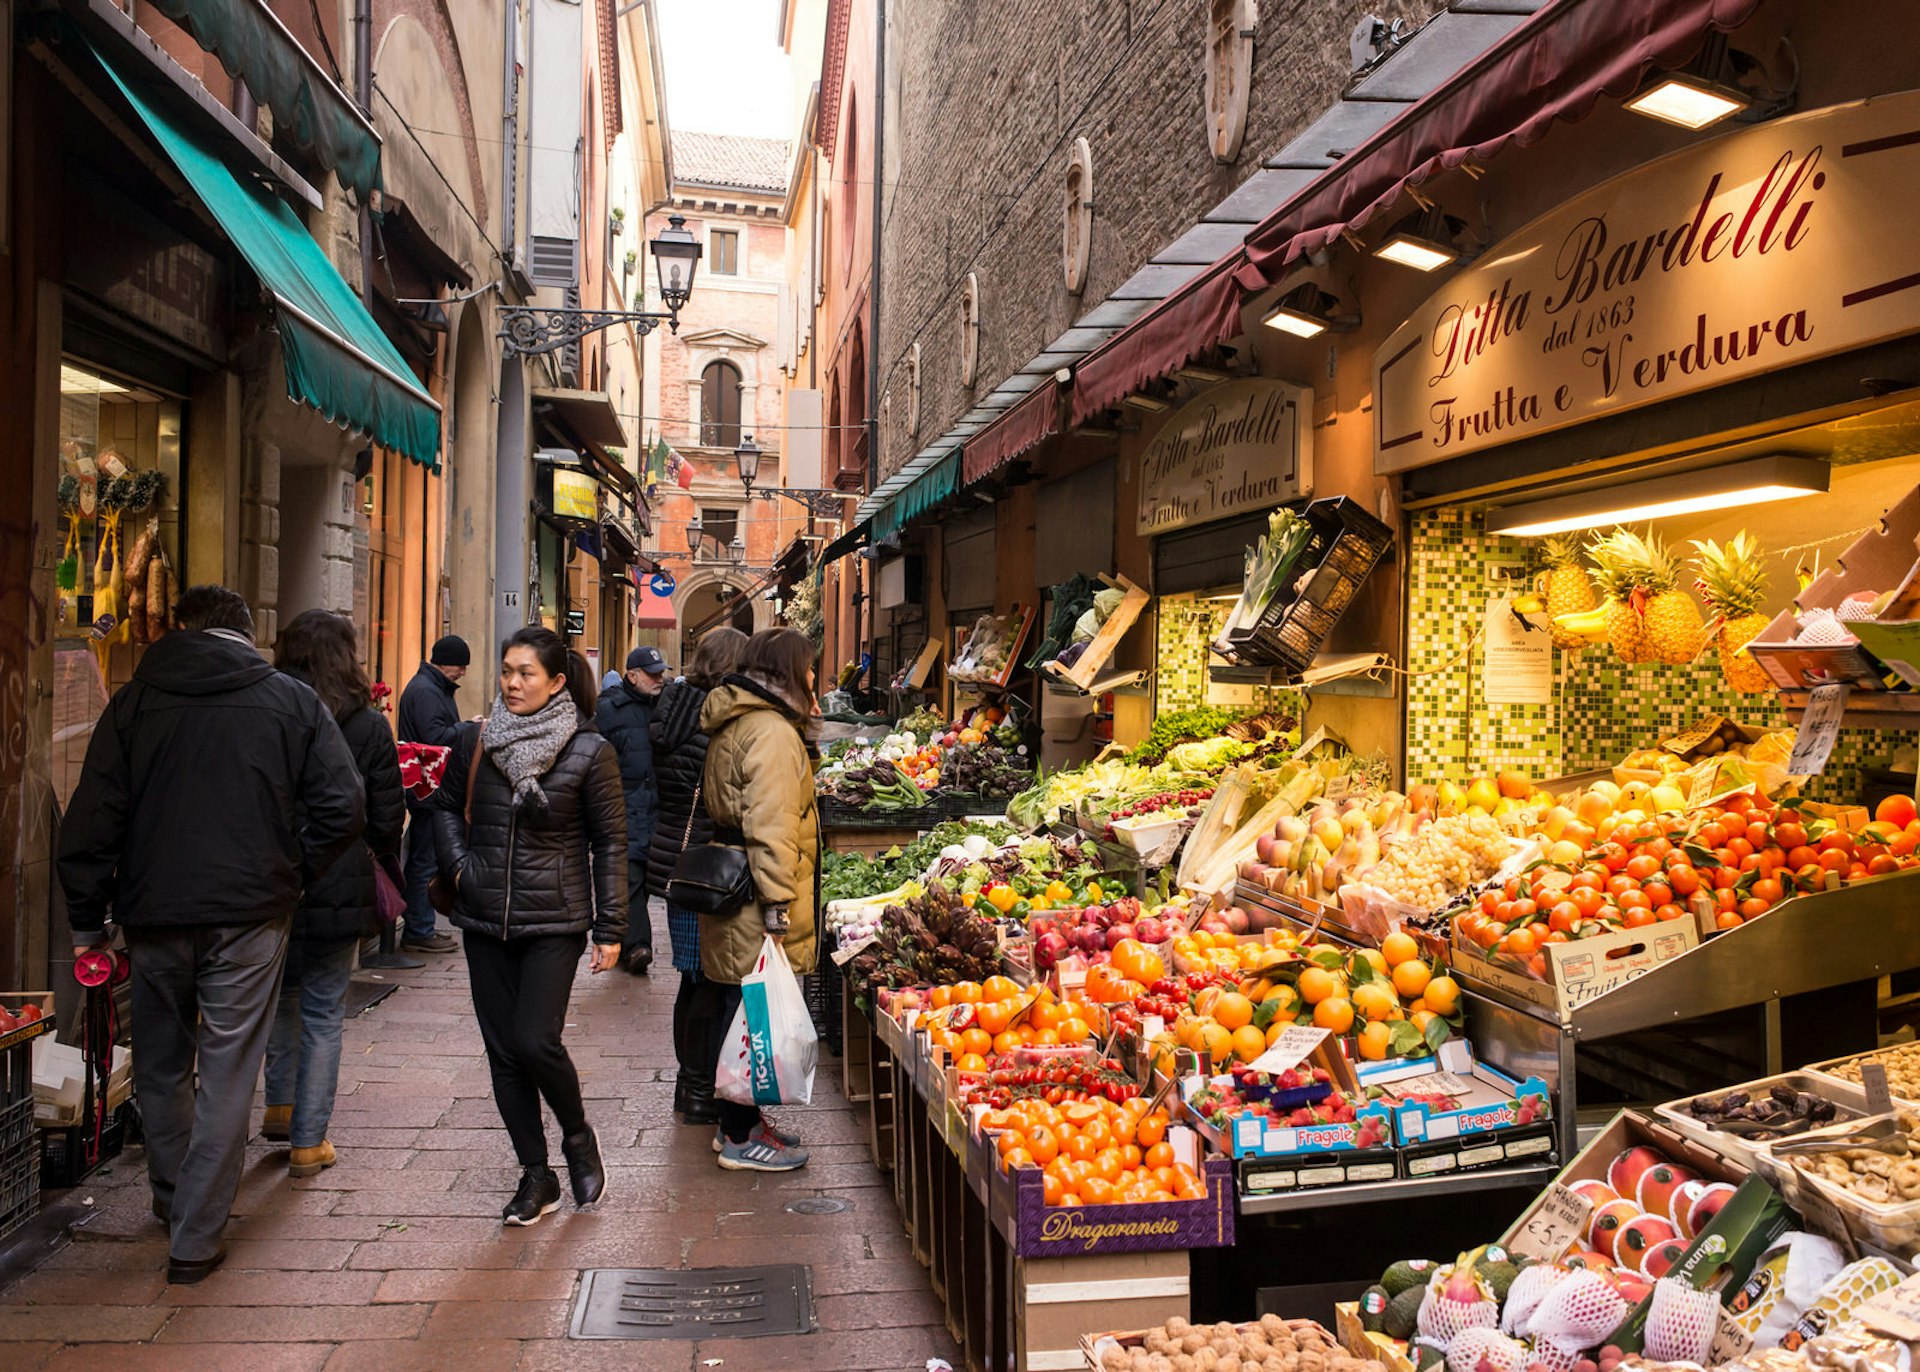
395 1258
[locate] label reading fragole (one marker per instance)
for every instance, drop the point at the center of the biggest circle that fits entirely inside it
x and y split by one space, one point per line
1555 1225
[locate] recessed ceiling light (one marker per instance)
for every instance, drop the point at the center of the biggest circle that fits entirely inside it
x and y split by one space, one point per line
1752 482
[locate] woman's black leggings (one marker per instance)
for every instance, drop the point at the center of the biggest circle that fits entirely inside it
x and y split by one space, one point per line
520 992
736 1120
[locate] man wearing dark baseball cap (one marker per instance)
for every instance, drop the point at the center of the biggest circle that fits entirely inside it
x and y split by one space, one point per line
624 713
428 714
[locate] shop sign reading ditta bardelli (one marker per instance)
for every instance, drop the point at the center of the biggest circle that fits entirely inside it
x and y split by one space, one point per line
1760 249
1240 446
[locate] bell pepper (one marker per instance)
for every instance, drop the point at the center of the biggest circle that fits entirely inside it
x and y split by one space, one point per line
1058 891
1094 893
1001 897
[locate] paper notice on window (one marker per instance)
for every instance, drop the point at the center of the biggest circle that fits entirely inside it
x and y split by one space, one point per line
1813 743
1518 656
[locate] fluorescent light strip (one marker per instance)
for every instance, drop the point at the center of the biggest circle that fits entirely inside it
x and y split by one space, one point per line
1690 104
1421 254
1753 482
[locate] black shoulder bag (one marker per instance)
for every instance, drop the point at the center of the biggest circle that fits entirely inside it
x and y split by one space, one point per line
709 878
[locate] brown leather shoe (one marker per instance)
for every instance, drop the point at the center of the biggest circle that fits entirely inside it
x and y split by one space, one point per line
309 1162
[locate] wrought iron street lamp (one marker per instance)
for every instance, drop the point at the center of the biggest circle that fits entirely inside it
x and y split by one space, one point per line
825 503
694 534
528 330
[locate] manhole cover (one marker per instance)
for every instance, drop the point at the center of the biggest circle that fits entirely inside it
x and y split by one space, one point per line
738 1302
818 1205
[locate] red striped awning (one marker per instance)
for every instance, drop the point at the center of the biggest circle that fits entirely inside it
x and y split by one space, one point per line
1012 433
1555 66
652 611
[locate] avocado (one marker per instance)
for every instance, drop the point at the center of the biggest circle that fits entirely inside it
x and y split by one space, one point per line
1499 1276
1403 1313
1427 1358
1373 1309
1406 1274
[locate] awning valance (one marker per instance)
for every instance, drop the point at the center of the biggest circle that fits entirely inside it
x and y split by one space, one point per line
254 46
652 610
337 359
928 489
1553 67
856 537
1015 431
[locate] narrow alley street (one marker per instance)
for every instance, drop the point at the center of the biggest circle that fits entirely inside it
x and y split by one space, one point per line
396 1258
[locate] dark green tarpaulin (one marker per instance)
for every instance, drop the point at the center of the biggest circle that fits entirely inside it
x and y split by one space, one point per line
921 494
254 47
337 359
855 537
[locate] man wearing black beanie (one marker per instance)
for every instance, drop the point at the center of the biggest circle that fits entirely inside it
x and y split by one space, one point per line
428 714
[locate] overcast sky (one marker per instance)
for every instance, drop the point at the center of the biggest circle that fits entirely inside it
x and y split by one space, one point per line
725 70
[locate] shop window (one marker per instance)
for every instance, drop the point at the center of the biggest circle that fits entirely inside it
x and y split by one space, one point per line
1077 232
1229 73
117 471
723 252
970 331
720 405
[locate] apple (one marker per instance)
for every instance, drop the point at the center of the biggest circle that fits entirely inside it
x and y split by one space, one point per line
1212 923
1625 1171
1608 1223
1716 1195
1263 849
1637 1238
1658 1185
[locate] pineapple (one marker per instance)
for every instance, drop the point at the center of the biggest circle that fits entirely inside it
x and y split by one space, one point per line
1569 592
1617 560
1675 631
1734 584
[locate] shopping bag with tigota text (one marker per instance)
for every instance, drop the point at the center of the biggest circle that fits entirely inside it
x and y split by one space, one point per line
771 1048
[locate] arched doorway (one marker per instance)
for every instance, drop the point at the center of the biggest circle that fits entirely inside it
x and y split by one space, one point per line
700 602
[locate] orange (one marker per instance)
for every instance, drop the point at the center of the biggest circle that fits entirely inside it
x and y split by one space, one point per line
1097 1191
1399 947
1107 1164
1207 998
999 988
1046 1015
1043 1144
1014 1161
1097 1132
1334 1014
1411 979
1421 1018
1159 1157
1151 1130
967 993
1131 1156
1442 995
941 997
1374 1000
1053 1189
1232 1011
1006 1041
1248 1043
1374 1041
1285 997
976 1041
1047 1038
1376 959
970 1062
1074 1030
1279 1026
1217 1043
1317 984
993 1015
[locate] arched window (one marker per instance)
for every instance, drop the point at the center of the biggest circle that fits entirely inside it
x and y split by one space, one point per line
850 185
720 405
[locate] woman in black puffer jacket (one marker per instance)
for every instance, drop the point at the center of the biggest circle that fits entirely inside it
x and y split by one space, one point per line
679 760
339 908
538 861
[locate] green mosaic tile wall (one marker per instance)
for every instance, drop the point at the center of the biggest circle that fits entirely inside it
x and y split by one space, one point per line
1602 709
1183 627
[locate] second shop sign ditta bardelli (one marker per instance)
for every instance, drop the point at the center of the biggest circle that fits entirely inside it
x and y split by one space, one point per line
1241 446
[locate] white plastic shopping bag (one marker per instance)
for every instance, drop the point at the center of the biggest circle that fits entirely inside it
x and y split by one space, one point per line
771 1049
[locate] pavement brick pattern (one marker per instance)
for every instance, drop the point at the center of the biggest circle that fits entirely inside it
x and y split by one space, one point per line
395 1259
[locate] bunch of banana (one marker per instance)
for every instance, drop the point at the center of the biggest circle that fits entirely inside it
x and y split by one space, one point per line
1588 625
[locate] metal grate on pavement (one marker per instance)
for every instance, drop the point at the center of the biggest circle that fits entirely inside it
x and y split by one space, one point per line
726 1302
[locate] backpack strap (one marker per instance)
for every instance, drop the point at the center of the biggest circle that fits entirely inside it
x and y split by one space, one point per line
473 775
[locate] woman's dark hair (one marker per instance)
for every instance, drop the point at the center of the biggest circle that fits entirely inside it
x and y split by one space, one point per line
780 659
318 647
717 654
556 659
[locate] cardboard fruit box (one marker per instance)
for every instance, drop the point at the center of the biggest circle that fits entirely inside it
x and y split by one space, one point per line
1489 1103
1365 1343
1016 1205
1583 970
1255 1134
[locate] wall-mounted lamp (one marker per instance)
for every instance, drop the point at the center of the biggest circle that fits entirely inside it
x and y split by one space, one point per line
1306 311
1752 482
1425 240
1700 94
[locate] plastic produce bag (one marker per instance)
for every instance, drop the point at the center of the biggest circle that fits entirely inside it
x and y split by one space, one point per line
771 1048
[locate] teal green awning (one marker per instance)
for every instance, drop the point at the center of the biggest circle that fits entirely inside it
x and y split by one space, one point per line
337 359
254 46
925 491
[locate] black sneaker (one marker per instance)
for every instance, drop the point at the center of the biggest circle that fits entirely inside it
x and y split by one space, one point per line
585 1170
639 959
538 1196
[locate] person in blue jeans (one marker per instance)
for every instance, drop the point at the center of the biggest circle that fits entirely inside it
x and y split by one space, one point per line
428 714
338 908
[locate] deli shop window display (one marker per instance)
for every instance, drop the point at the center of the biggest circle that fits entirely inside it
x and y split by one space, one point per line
117 572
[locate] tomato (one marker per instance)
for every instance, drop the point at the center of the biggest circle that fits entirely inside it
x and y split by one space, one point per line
1642 868
1684 880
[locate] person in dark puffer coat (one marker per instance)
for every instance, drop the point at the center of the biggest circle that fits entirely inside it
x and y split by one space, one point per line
679 760
338 908
538 862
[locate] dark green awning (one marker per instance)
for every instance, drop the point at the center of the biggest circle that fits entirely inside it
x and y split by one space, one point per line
928 489
255 47
856 537
337 359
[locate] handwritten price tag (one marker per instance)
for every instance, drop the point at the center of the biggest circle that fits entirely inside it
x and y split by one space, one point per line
1813 744
1555 1225
842 956
1295 1044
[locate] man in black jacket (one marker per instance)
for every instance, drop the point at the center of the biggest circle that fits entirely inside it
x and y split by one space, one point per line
428 715
214 789
623 714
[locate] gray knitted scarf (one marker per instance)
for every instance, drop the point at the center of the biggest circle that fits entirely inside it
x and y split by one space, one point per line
524 747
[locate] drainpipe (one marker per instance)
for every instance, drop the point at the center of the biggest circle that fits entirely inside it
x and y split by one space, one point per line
363 96
879 145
